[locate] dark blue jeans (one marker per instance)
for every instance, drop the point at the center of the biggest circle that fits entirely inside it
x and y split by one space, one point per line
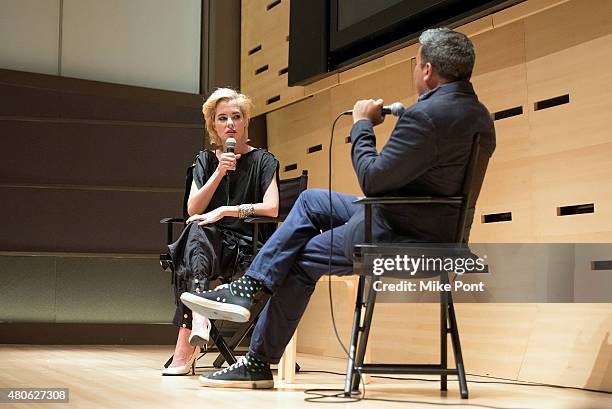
292 261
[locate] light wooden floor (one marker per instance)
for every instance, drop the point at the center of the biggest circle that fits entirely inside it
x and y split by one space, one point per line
129 377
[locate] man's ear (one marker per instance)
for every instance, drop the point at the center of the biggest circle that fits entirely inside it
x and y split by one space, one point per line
430 77
427 72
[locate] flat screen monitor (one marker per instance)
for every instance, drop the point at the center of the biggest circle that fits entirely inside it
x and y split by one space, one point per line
329 35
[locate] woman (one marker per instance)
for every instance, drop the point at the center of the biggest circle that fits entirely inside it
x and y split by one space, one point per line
226 188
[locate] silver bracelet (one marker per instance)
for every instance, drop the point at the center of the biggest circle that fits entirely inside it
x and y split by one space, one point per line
245 210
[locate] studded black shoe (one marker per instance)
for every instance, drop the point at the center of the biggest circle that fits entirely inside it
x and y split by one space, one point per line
240 375
226 302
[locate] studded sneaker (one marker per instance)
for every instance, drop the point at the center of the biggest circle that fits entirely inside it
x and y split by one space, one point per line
242 374
226 302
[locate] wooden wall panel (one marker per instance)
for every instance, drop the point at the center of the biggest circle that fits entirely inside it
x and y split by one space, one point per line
571 152
570 345
325 342
295 128
267 28
500 81
410 333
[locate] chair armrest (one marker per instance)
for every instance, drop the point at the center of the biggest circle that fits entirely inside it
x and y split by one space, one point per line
410 200
172 220
263 219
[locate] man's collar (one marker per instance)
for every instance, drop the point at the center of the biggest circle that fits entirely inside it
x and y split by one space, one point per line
426 95
460 86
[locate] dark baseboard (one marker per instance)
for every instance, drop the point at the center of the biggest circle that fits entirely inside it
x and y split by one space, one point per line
87 334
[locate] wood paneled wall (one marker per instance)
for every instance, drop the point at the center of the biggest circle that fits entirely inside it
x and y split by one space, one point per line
542 70
265 55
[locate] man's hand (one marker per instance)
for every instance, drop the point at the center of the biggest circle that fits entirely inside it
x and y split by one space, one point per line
208 218
369 109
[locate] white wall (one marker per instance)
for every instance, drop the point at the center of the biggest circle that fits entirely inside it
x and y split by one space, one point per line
29 35
149 43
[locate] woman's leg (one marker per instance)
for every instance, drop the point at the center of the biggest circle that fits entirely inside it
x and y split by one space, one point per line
182 351
198 259
189 323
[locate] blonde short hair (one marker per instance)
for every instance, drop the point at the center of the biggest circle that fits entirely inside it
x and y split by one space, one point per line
209 110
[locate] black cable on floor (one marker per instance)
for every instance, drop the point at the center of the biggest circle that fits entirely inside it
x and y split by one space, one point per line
503 381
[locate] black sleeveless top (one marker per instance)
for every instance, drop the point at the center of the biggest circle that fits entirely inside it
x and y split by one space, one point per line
247 184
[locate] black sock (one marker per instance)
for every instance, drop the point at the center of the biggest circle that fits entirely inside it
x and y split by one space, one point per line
245 287
254 364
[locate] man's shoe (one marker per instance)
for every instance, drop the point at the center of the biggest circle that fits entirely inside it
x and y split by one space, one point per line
222 303
237 375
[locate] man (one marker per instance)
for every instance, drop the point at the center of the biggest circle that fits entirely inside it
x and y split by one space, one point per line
426 154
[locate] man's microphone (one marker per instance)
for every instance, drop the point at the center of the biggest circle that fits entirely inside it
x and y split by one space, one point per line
395 109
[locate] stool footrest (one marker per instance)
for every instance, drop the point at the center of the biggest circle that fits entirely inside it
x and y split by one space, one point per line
406 369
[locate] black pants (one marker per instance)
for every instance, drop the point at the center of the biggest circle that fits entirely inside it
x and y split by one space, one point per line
201 255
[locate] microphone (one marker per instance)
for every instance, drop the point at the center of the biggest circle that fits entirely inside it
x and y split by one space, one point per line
395 109
230 145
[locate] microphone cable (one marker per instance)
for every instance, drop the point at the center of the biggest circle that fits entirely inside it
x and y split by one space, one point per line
325 392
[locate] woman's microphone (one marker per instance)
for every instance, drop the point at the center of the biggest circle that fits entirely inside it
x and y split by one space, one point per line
230 145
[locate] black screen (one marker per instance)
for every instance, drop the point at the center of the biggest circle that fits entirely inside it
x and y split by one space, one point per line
351 12
329 35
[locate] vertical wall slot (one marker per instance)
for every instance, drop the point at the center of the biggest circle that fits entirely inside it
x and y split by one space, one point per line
283 71
261 69
552 102
497 217
347 139
273 100
255 49
315 148
273 4
576 209
292 166
507 113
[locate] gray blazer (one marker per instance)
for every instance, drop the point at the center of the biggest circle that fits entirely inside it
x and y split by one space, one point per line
426 155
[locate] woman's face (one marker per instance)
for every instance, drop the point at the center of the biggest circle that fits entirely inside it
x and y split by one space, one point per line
229 121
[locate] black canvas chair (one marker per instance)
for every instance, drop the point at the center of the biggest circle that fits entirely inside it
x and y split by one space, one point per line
448 324
289 190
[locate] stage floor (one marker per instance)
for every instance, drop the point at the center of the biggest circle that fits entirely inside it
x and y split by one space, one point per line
129 377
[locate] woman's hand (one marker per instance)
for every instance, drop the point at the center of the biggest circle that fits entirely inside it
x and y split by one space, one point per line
210 217
227 161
